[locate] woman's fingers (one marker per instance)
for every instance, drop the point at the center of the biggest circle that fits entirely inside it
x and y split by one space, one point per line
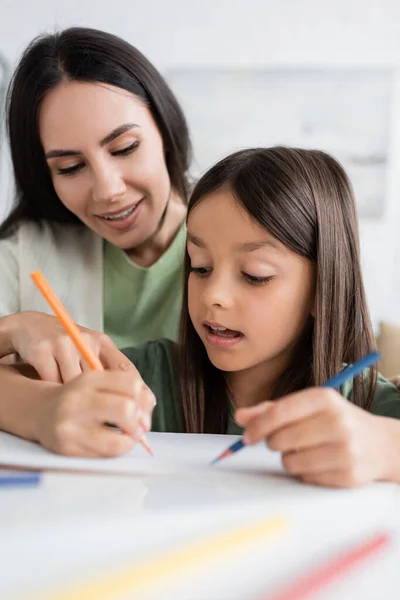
112 358
47 367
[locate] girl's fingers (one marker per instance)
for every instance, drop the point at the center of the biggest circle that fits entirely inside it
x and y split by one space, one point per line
244 415
103 442
329 457
118 411
335 479
290 409
314 431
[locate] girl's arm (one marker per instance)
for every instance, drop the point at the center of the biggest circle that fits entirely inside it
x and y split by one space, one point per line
22 401
70 419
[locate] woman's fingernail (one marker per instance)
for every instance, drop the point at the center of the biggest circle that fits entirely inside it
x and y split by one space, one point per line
139 433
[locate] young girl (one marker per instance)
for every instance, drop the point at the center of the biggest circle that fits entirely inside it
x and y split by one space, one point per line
274 305
100 150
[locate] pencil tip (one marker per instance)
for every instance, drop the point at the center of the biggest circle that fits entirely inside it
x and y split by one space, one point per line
149 450
221 456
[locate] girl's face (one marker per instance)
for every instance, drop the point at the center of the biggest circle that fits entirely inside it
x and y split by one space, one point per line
249 295
106 159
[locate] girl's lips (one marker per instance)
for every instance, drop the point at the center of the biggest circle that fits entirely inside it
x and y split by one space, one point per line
222 339
126 222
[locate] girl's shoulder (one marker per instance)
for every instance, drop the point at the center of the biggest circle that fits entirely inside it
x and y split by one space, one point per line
157 364
386 399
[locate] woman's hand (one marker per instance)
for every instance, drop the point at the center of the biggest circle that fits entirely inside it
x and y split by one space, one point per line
71 418
323 438
41 341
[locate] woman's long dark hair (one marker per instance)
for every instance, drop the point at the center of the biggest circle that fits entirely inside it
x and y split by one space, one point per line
81 54
304 199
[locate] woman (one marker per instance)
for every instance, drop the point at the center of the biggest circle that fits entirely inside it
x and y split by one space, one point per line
100 150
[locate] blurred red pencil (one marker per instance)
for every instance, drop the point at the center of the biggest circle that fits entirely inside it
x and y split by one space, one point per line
323 575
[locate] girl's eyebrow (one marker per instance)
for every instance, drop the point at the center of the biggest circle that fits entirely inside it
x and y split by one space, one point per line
246 247
58 153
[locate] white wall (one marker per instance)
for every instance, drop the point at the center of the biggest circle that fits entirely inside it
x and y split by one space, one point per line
249 33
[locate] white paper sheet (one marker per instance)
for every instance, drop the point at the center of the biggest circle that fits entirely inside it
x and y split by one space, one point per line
174 454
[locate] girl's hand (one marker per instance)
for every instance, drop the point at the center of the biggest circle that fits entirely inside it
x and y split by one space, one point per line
71 418
323 438
41 341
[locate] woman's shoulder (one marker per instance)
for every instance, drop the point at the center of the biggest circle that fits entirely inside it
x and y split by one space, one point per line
47 230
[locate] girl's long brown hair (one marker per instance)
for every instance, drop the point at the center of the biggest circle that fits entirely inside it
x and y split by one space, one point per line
304 198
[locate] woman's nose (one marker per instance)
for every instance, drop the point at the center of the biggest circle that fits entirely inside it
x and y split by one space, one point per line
108 186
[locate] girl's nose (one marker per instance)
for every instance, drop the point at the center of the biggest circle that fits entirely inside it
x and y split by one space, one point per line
217 292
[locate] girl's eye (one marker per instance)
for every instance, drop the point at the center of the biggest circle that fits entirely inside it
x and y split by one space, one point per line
71 170
201 271
254 280
125 151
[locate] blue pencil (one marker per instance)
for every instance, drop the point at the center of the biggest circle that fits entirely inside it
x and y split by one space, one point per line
19 478
334 382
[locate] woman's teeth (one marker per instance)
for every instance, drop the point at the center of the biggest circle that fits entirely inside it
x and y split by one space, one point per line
121 215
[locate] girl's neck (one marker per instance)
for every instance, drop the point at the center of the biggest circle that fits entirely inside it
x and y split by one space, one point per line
154 247
255 385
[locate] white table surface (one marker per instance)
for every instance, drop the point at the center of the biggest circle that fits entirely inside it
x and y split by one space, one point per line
75 526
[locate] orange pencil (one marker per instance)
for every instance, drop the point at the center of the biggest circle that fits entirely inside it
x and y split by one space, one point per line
72 330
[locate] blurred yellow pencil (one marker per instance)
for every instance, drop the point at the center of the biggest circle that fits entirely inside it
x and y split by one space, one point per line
72 330
179 562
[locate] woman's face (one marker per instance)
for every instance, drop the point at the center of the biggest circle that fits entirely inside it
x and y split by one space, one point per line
106 159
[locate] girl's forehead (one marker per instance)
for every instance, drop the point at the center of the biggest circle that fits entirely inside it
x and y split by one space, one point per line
221 209
219 218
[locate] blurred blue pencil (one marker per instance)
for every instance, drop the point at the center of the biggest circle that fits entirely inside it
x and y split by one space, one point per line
334 382
19 478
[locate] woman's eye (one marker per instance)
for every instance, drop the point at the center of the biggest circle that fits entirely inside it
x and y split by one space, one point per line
71 170
254 280
125 151
202 271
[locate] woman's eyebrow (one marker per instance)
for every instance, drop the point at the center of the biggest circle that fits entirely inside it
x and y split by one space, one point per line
58 153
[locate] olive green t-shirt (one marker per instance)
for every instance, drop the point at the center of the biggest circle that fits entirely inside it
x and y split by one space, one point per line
143 303
156 362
